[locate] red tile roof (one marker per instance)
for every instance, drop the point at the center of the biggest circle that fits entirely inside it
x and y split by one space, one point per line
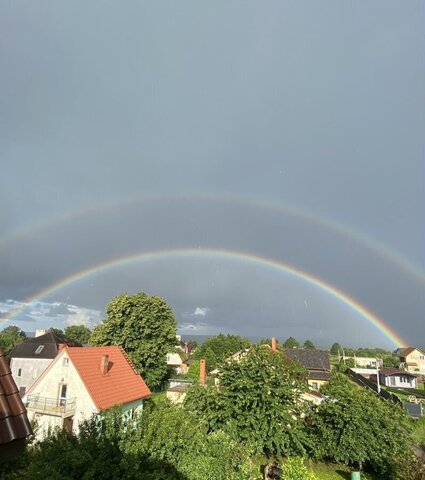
14 424
122 384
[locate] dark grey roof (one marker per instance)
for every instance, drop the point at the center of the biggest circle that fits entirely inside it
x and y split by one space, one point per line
50 342
388 372
317 375
310 359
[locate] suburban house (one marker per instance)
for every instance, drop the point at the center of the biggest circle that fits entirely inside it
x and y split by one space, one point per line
316 362
412 359
81 382
30 358
364 362
393 377
174 362
14 424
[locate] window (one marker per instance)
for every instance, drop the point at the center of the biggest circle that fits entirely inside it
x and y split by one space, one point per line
62 394
315 386
39 349
65 361
19 372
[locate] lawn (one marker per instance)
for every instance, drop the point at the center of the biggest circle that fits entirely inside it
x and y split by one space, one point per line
333 471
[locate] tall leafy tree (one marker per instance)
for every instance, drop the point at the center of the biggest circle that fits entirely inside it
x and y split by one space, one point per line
145 327
10 337
336 347
258 401
309 345
79 333
291 342
354 425
217 349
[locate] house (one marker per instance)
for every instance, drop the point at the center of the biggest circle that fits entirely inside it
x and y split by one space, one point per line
393 377
412 359
81 382
316 362
174 362
29 359
365 362
14 424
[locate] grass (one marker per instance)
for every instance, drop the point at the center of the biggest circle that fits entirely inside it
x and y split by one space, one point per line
333 471
405 393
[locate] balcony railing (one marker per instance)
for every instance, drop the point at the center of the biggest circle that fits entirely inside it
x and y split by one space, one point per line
60 407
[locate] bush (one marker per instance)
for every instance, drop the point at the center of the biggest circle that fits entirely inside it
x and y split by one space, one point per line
294 469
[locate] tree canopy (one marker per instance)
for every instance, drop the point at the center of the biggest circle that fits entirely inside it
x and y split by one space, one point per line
291 342
10 337
336 349
145 327
215 350
309 345
354 425
258 401
78 333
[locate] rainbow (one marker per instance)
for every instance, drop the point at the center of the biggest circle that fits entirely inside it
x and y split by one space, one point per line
249 258
337 228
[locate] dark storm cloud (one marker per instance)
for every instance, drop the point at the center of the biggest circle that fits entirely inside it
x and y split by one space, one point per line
319 106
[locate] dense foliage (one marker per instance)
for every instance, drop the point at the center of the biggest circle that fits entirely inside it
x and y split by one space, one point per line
291 342
145 327
294 469
165 443
258 401
215 350
10 337
78 333
356 426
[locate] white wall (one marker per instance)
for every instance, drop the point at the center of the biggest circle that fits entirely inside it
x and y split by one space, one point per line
31 369
49 386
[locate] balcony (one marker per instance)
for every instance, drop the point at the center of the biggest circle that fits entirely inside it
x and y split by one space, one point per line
59 407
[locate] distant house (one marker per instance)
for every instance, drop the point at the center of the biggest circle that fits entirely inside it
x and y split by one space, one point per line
174 362
14 424
81 382
412 359
316 362
29 359
365 362
393 377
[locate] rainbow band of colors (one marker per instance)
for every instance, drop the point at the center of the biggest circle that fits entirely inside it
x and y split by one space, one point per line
373 319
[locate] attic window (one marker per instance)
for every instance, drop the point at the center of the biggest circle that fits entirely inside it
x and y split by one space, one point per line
39 349
65 361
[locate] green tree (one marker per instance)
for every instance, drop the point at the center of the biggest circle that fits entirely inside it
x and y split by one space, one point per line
145 327
215 350
354 425
309 345
78 333
294 469
258 402
336 349
57 331
10 337
291 342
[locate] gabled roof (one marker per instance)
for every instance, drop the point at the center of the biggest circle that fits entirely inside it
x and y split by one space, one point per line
50 343
403 352
14 424
310 359
122 384
388 372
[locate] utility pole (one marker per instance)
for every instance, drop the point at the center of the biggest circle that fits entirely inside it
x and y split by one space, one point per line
377 377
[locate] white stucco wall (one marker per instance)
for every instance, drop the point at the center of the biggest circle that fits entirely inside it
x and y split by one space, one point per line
395 381
31 369
49 386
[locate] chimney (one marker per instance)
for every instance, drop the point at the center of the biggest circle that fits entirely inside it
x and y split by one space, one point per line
104 362
274 344
39 332
202 374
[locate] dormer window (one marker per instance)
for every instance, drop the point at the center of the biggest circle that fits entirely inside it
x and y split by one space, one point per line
39 349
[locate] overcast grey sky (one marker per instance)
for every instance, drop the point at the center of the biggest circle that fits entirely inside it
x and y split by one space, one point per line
292 130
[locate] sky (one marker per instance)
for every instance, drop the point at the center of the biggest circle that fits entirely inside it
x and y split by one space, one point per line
259 166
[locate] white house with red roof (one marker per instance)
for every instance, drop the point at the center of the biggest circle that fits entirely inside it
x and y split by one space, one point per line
81 382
